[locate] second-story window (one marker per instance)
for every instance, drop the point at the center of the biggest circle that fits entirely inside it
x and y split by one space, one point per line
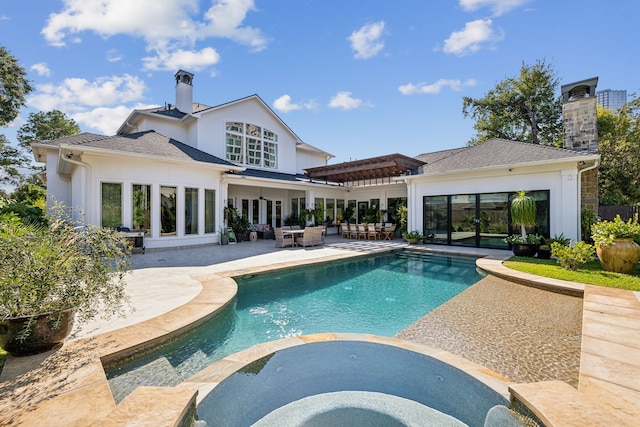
252 145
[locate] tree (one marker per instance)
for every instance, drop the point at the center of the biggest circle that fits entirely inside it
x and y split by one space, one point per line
44 126
13 87
12 160
619 148
523 109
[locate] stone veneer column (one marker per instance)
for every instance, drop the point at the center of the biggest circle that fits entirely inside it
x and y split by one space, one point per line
589 191
580 122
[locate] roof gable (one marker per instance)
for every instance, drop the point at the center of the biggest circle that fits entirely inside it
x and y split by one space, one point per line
147 143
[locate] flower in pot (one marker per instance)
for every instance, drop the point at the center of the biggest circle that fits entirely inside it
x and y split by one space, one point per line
615 243
53 273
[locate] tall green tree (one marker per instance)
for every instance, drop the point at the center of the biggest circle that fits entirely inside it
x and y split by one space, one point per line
619 148
12 162
525 108
46 125
13 87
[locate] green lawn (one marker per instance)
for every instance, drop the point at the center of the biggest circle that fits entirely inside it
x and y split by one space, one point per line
590 273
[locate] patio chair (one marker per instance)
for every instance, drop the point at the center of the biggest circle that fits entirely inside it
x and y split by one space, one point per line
362 231
282 241
310 237
387 233
345 232
371 232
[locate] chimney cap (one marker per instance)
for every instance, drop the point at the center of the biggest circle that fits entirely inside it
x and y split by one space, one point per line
184 77
583 89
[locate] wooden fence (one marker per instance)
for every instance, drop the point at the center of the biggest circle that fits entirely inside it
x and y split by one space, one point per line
610 212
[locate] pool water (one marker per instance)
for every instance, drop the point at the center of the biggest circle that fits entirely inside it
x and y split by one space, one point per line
378 294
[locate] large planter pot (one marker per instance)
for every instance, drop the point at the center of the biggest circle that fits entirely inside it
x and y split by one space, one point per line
620 257
544 253
48 330
524 249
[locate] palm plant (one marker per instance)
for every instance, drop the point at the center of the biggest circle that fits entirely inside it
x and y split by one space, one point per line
523 211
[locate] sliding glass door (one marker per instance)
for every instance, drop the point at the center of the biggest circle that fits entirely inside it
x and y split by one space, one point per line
477 220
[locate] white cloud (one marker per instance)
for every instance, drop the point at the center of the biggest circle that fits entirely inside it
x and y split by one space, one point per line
113 55
470 39
188 59
498 7
41 68
366 42
435 88
285 105
345 101
169 27
75 94
104 119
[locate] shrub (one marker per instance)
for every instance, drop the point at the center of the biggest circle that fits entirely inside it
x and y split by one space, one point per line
62 265
604 232
572 257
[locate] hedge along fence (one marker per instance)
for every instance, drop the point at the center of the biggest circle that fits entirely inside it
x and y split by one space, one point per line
609 212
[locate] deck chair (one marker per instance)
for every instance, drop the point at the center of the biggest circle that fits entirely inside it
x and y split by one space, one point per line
362 231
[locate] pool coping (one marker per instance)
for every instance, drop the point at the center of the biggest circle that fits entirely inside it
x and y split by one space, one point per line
218 290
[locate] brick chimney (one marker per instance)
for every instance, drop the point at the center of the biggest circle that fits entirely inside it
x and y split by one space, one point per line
184 91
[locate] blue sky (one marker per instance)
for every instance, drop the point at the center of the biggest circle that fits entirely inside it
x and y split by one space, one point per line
355 78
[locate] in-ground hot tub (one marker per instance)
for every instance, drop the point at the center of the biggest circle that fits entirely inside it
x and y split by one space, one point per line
302 385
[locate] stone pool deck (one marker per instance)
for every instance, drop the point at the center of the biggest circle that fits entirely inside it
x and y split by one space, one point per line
173 289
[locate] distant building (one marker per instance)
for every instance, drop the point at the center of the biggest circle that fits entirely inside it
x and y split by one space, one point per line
612 99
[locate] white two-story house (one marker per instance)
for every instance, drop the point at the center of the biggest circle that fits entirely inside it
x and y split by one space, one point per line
172 170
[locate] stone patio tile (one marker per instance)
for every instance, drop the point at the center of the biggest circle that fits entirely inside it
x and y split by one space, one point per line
557 404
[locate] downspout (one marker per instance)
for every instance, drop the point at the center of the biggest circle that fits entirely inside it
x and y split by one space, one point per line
596 163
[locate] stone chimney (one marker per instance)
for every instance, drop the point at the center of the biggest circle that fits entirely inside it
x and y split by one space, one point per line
184 91
579 116
580 124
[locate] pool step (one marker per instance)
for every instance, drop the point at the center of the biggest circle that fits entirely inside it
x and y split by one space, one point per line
158 373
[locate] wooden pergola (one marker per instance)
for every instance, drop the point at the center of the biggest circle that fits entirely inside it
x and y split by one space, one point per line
372 169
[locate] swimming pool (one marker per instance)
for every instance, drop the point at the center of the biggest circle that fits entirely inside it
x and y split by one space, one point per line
380 294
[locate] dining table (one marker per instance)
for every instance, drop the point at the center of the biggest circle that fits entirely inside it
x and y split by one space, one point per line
293 234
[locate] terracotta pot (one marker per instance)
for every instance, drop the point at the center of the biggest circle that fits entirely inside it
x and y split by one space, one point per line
620 257
524 249
48 330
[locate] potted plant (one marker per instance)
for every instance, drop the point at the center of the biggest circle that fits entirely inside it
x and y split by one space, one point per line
615 243
523 213
524 246
413 237
546 244
53 273
240 224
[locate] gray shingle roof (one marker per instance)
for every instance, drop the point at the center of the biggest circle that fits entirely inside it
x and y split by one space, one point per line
493 153
148 143
257 173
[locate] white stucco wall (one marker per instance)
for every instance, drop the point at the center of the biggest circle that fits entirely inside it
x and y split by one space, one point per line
560 180
139 170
